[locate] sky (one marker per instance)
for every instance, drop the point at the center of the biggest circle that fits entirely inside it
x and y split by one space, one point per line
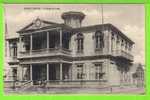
129 18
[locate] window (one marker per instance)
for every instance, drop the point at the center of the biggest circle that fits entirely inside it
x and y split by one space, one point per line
13 49
26 40
99 40
39 41
14 73
80 43
80 74
99 71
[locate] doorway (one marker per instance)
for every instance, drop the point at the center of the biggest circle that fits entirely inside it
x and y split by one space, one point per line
54 72
38 73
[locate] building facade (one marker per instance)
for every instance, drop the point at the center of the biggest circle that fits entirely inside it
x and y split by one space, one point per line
69 53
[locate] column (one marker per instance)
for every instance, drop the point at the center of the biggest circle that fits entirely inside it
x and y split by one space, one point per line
119 45
31 43
127 50
114 49
124 45
22 69
130 48
123 78
109 38
73 72
70 72
20 45
112 43
20 72
60 38
47 40
31 72
60 71
47 72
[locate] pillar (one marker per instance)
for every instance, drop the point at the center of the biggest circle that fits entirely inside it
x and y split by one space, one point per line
73 71
127 46
114 44
20 72
70 72
47 72
47 40
20 44
31 72
31 43
60 38
20 49
130 48
22 69
109 38
61 71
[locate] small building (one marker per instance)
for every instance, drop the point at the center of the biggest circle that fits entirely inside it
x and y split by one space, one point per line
69 53
138 75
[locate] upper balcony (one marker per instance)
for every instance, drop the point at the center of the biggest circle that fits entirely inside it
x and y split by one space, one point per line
44 44
45 53
123 54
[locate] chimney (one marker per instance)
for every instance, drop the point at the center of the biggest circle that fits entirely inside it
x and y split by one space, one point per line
73 19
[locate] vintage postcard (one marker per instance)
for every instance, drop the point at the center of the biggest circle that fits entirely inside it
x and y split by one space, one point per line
74 49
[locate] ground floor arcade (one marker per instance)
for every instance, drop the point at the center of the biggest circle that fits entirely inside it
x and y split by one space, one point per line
91 72
48 72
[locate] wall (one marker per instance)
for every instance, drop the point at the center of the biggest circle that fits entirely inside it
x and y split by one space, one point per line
89 68
113 73
89 43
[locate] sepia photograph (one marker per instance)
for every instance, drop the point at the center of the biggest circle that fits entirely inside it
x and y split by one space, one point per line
74 49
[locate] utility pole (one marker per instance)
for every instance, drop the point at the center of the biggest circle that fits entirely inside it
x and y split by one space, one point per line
6 32
102 14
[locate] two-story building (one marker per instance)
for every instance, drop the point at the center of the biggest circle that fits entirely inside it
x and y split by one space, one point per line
69 53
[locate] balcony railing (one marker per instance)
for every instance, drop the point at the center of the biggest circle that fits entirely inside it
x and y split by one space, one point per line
13 59
121 53
45 52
